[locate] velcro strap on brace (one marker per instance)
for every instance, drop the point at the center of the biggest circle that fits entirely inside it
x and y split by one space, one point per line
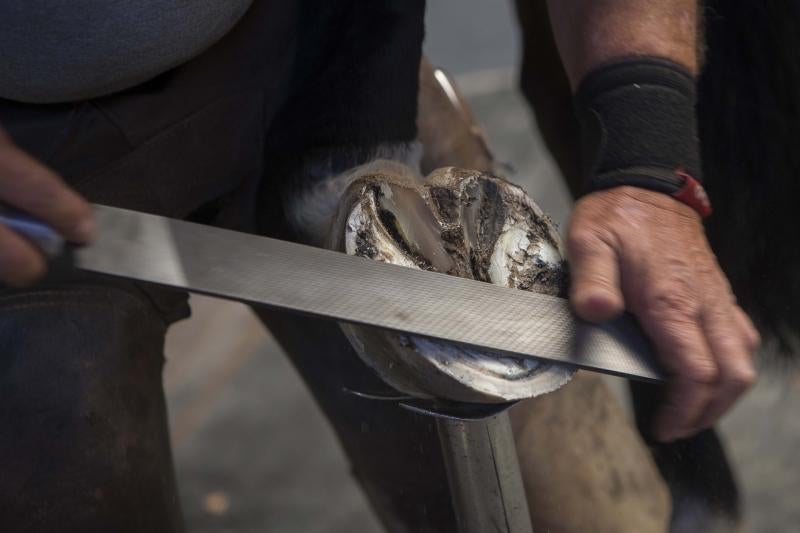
639 127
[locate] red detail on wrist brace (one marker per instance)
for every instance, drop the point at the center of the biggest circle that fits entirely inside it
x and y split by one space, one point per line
693 194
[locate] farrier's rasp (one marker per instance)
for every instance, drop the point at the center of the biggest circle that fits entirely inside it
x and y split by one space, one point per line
263 271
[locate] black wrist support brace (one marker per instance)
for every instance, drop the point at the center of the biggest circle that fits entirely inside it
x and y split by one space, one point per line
638 127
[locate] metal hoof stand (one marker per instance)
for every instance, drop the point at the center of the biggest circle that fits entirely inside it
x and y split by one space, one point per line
480 458
484 476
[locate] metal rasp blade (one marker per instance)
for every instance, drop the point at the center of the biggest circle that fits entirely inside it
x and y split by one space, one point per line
263 271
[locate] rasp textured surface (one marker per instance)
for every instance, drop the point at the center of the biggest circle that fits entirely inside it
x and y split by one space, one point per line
263 271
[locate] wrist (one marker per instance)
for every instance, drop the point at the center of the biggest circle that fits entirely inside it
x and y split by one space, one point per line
638 128
637 202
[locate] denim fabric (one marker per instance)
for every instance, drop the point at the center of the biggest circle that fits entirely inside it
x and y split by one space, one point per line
84 442
83 435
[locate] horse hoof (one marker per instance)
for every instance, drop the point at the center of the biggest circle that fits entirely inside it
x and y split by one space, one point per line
463 223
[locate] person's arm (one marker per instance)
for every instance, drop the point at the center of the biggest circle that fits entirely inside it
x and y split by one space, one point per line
590 33
29 186
631 245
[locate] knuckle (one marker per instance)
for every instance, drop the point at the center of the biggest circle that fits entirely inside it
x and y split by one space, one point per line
673 300
49 197
594 283
723 334
704 372
73 213
751 334
721 301
742 378
582 240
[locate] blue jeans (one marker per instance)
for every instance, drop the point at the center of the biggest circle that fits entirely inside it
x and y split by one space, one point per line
83 431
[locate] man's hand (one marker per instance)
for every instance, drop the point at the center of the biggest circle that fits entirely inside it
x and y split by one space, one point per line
29 186
643 251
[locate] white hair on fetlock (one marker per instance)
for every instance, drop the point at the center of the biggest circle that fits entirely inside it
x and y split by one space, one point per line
311 211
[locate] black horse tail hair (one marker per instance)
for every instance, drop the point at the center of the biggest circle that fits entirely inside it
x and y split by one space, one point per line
749 116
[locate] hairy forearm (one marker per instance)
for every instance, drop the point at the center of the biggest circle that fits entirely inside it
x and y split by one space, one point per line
590 33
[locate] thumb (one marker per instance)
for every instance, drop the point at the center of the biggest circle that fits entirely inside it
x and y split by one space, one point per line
595 292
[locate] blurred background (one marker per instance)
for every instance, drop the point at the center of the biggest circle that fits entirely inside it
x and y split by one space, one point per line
254 454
